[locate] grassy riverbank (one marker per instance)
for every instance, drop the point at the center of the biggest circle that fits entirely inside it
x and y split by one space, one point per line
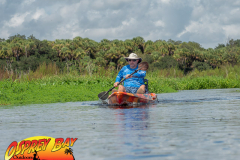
32 88
70 89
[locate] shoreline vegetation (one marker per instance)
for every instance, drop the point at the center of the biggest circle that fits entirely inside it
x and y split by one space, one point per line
42 86
68 70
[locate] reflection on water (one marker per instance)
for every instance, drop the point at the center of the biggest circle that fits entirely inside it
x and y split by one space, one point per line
132 117
202 124
133 121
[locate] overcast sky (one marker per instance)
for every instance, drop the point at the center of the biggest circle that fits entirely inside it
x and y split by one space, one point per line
207 22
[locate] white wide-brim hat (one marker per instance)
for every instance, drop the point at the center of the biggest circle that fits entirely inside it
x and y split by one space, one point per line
133 56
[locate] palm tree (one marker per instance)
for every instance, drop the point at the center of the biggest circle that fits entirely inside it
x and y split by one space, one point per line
69 151
139 42
58 47
149 49
16 49
171 49
121 62
105 44
148 43
66 53
100 61
70 45
156 55
90 47
78 53
6 52
129 45
28 45
78 42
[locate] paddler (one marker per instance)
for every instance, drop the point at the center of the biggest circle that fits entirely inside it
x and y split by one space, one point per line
135 83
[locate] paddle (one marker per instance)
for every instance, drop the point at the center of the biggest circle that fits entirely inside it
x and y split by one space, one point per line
104 95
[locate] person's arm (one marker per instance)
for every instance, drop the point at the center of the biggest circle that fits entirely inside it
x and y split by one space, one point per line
140 74
120 75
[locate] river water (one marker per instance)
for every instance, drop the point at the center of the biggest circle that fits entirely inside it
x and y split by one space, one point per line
195 124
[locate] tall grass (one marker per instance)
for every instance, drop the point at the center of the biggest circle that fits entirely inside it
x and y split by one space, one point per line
5 73
46 70
42 71
227 71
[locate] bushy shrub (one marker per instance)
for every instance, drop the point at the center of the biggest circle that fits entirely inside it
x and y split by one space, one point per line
2 63
27 63
166 62
148 58
201 66
60 65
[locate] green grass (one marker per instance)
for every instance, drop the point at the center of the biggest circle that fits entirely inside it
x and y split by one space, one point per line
71 89
40 87
50 90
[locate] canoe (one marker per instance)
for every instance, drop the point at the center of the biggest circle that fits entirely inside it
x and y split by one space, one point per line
124 98
143 106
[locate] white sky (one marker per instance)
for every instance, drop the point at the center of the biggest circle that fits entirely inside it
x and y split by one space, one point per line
207 22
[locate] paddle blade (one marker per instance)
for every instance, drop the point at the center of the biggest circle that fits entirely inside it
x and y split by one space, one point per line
144 66
103 95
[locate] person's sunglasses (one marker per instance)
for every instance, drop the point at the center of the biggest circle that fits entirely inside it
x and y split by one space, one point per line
134 60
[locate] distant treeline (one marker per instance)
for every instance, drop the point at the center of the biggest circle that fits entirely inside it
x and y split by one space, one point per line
21 54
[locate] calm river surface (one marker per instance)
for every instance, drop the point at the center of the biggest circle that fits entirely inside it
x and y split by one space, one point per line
196 124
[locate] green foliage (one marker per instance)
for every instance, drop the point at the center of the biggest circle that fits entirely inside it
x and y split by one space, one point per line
166 62
122 62
100 61
156 55
46 85
19 54
49 91
201 66
148 58
220 46
30 63
85 88
233 43
2 39
3 63
11 38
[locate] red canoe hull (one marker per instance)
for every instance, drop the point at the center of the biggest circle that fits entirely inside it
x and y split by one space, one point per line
123 98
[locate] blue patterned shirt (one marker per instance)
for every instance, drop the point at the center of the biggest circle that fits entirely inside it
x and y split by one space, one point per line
137 78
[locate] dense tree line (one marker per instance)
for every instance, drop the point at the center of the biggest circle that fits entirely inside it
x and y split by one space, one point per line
83 54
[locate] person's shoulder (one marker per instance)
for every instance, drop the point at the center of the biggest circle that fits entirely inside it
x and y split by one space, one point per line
141 71
125 67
